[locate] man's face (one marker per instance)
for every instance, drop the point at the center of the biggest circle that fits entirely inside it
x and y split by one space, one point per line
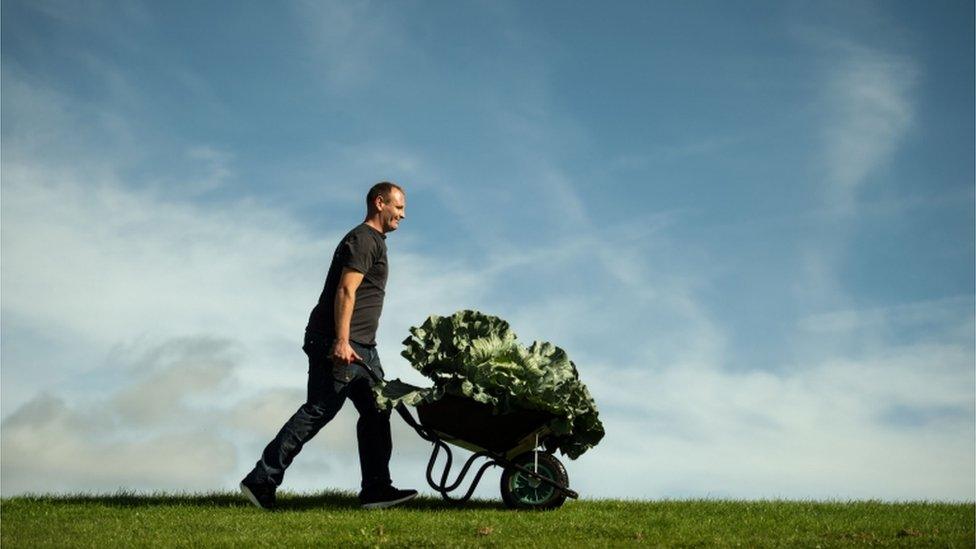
393 210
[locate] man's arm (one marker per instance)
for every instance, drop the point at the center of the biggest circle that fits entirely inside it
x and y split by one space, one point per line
345 302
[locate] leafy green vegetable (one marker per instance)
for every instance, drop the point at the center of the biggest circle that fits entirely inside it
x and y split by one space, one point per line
475 355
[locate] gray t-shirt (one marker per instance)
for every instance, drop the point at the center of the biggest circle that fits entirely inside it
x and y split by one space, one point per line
363 249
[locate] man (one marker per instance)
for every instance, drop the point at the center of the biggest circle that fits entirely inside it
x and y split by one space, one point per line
340 342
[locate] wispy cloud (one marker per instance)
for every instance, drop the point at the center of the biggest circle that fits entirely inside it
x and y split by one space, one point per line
942 312
90 13
216 169
701 148
866 108
871 110
350 38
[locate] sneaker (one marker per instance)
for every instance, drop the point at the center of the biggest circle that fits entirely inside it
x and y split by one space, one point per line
387 496
260 494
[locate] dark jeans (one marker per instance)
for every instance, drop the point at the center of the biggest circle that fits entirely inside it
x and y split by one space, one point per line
328 388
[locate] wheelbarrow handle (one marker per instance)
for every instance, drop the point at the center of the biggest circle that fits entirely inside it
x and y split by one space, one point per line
400 407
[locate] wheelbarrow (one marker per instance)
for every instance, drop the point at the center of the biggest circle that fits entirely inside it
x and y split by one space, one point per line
531 479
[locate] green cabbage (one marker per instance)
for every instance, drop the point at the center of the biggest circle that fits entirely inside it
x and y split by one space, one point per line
475 355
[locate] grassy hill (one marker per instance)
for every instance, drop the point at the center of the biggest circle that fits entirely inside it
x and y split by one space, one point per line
334 519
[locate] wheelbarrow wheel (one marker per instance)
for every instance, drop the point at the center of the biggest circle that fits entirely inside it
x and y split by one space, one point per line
521 491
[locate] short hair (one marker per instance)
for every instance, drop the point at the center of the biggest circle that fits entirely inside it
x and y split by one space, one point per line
383 189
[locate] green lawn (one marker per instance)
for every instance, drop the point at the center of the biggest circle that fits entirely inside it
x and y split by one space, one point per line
334 519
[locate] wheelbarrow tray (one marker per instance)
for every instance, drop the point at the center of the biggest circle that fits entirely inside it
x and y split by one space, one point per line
475 425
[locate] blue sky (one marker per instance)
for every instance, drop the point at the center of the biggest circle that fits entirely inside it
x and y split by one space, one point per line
750 224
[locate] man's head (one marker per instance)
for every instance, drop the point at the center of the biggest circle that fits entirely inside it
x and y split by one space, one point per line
387 205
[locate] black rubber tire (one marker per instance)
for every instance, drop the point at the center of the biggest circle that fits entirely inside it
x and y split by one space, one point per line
543 497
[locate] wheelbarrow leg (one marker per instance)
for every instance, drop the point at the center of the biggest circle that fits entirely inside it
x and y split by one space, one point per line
442 487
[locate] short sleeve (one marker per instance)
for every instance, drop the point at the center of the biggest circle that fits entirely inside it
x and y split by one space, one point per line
357 253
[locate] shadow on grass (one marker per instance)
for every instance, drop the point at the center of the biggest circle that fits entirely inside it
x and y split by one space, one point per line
327 500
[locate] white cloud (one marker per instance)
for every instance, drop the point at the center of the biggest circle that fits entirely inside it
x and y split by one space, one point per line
177 420
145 436
822 430
113 264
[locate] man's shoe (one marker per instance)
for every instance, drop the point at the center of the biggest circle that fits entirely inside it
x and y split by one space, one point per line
260 494
387 496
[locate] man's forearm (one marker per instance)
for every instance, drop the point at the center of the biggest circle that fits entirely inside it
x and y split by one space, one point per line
345 302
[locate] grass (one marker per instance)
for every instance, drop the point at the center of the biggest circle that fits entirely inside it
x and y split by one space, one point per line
334 519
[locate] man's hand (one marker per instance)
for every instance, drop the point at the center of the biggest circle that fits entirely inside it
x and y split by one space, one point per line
343 353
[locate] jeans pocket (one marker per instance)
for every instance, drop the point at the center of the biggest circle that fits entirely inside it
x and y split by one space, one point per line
315 345
343 372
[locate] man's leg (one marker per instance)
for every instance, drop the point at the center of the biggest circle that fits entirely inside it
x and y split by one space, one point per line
325 398
375 447
373 433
